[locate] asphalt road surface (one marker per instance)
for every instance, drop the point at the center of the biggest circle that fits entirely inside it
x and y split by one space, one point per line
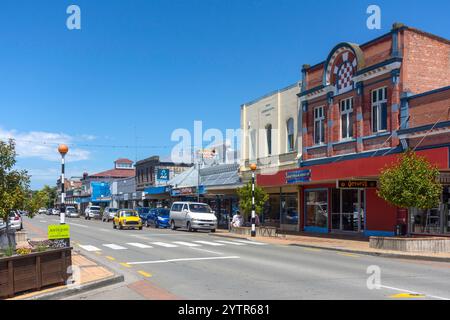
165 264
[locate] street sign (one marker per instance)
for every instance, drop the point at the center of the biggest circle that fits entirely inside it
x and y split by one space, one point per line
58 231
163 175
356 184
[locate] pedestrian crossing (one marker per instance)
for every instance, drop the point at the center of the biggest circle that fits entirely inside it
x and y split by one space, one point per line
174 244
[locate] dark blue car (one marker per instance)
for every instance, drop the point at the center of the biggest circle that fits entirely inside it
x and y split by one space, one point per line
143 214
159 218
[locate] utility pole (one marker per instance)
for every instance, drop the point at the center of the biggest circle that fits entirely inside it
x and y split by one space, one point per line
63 150
253 168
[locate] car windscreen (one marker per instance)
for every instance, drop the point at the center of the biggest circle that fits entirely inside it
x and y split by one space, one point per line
95 208
144 210
200 208
113 210
129 214
163 213
71 210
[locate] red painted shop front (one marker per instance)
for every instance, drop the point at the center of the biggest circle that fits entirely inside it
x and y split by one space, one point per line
324 208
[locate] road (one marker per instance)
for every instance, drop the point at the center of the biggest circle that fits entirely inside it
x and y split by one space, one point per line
166 264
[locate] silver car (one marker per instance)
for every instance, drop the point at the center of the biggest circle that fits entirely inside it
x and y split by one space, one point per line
2 225
71 212
15 221
109 214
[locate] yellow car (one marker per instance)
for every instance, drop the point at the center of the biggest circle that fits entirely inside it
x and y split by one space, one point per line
127 218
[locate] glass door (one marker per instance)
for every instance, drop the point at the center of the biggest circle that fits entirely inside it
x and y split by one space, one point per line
348 208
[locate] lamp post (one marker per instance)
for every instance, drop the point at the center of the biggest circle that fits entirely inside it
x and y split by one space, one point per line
63 150
253 167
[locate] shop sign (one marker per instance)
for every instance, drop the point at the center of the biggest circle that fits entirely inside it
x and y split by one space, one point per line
187 191
298 176
163 175
356 184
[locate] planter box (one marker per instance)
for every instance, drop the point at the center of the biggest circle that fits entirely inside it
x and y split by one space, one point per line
260 231
434 244
34 271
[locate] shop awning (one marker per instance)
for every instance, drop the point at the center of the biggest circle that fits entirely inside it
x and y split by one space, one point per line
157 190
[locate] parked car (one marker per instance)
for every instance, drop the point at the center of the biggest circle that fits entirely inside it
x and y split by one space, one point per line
193 216
109 214
56 212
49 211
42 211
143 212
72 212
92 212
15 220
127 218
159 218
2 225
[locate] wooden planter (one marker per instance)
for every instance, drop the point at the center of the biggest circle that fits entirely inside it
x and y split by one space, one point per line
34 271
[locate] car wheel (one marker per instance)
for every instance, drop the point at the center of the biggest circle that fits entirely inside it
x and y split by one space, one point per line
120 226
114 226
189 227
146 224
157 225
21 227
172 225
213 230
140 228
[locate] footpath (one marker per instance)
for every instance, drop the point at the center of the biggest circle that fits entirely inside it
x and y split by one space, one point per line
349 244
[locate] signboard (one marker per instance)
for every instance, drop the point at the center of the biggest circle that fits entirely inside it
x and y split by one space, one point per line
188 191
59 235
163 175
100 191
356 184
61 231
298 176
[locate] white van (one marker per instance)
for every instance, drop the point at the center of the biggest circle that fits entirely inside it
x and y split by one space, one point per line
193 216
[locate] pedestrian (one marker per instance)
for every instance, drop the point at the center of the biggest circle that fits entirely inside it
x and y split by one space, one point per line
237 220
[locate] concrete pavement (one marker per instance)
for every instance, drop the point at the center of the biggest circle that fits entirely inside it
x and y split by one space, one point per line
165 264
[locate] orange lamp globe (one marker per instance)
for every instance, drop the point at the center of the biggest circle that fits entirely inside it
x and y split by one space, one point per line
253 167
63 149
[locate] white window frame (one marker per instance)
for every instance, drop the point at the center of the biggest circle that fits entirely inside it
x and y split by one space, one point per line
288 134
319 116
347 111
378 105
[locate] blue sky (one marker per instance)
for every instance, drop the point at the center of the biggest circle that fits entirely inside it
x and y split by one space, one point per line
140 69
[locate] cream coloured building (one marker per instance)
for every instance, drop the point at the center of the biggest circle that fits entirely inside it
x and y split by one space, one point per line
271 138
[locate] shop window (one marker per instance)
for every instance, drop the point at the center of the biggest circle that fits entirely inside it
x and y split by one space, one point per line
316 208
271 215
346 118
319 125
379 110
290 135
289 209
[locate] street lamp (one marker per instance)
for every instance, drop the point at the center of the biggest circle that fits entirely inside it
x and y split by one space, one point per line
253 167
63 150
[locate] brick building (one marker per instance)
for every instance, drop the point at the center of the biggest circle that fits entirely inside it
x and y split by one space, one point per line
361 107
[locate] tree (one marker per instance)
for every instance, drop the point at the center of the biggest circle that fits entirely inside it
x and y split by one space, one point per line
411 182
245 199
14 184
52 195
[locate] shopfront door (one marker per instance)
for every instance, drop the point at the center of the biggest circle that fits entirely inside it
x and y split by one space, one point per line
348 210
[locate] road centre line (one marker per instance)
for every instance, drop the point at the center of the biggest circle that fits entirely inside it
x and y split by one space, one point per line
413 292
182 260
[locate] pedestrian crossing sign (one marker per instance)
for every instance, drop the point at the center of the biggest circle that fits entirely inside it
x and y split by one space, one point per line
58 232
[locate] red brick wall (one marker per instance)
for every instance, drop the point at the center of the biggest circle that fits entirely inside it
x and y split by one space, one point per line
426 62
429 109
378 51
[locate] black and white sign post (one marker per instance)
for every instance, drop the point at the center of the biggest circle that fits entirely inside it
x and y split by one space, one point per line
63 150
253 167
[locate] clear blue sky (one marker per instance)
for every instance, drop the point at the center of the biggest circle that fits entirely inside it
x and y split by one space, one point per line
158 65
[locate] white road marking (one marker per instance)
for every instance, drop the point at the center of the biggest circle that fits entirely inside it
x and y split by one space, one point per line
182 260
187 244
90 248
78 225
208 251
252 242
413 292
231 242
163 244
114 246
42 221
214 244
139 245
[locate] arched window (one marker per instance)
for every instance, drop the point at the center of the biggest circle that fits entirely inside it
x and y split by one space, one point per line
290 135
269 139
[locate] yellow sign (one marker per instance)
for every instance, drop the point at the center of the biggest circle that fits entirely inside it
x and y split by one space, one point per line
58 232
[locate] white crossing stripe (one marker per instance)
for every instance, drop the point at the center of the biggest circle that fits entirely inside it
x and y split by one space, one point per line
187 244
166 245
252 242
231 242
114 246
139 245
214 244
90 248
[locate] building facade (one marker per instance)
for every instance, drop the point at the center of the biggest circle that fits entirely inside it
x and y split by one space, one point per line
362 107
